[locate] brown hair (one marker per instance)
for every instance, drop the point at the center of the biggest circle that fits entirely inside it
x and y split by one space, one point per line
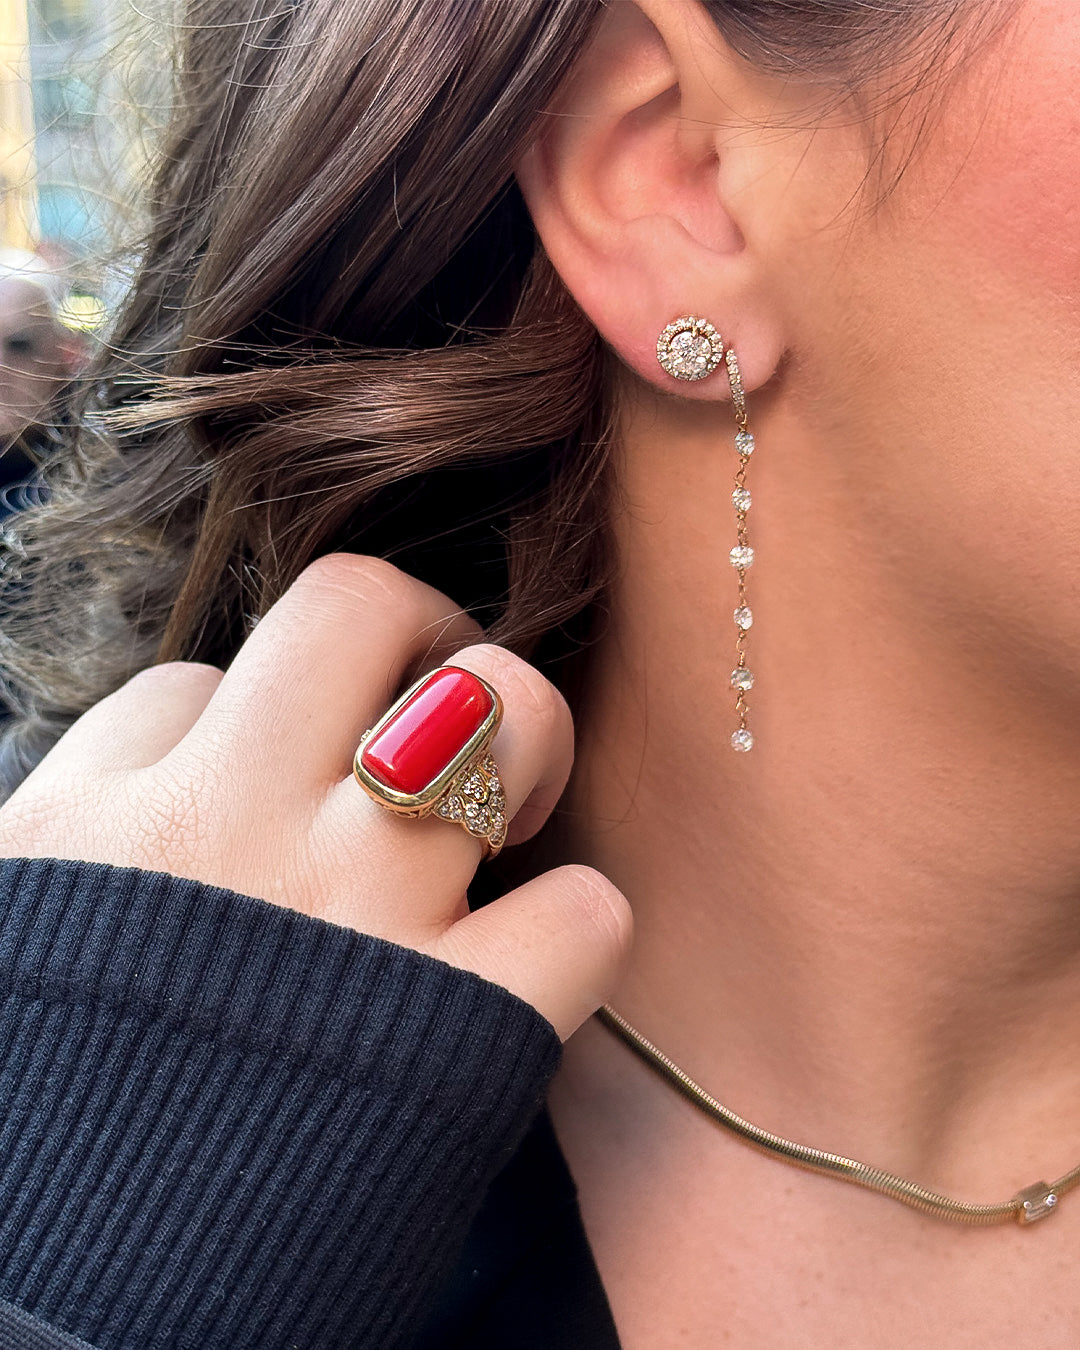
343 335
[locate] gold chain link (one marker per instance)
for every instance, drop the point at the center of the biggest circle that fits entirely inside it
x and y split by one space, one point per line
743 738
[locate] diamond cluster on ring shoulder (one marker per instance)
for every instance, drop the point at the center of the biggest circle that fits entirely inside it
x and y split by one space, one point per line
476 799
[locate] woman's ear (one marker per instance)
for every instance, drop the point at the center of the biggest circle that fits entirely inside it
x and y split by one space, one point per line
637 186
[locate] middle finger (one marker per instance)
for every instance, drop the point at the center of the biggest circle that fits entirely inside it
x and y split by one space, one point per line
428 863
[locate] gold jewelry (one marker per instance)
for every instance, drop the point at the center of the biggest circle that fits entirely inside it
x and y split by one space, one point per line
1027 1206
690 349
429 755
741 557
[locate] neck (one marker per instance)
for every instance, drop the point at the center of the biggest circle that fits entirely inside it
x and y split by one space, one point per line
865 934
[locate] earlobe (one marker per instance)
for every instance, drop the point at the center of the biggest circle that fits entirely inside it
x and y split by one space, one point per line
624 185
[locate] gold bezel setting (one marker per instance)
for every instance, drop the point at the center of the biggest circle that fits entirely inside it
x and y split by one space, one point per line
424 802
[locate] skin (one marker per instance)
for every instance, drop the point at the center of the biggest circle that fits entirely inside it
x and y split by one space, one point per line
864 934
37 355
242 780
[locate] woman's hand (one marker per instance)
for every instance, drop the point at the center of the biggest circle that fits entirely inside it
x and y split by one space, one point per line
244 780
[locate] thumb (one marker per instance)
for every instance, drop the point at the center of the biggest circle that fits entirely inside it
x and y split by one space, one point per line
558 942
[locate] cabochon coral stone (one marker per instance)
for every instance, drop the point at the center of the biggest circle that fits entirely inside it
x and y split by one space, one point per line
427 731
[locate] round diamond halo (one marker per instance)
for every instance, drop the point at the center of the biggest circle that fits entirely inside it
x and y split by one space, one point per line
690 348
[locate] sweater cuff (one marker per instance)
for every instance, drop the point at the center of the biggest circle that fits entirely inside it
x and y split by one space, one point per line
226 1123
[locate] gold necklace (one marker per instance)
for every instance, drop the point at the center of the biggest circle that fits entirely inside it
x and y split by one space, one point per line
1032 1203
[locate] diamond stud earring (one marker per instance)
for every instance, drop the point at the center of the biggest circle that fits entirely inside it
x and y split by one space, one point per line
690 349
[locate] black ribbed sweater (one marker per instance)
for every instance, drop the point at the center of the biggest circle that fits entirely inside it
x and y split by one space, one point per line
225 1124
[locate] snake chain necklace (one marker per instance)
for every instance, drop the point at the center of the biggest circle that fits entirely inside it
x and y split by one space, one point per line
1027 1206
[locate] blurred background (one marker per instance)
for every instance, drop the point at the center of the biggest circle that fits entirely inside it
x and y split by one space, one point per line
83 85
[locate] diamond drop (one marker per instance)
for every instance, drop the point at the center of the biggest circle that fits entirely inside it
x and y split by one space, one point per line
741 678
742 740
744 618
741 499
742 555
744 442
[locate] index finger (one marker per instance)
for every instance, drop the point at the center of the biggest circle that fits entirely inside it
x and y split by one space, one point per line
326 659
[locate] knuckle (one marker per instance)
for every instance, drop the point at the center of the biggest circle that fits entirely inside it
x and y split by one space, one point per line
353 577
520 685
350 586
441 630
174 675
600 904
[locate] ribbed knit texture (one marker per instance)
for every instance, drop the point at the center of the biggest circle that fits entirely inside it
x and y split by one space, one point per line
20 1331
226 1124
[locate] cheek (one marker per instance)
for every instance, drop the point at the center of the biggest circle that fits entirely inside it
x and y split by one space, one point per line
1010 182
1024 215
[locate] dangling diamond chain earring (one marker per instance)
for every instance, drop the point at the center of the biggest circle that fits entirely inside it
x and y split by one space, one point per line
690 349
742 556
